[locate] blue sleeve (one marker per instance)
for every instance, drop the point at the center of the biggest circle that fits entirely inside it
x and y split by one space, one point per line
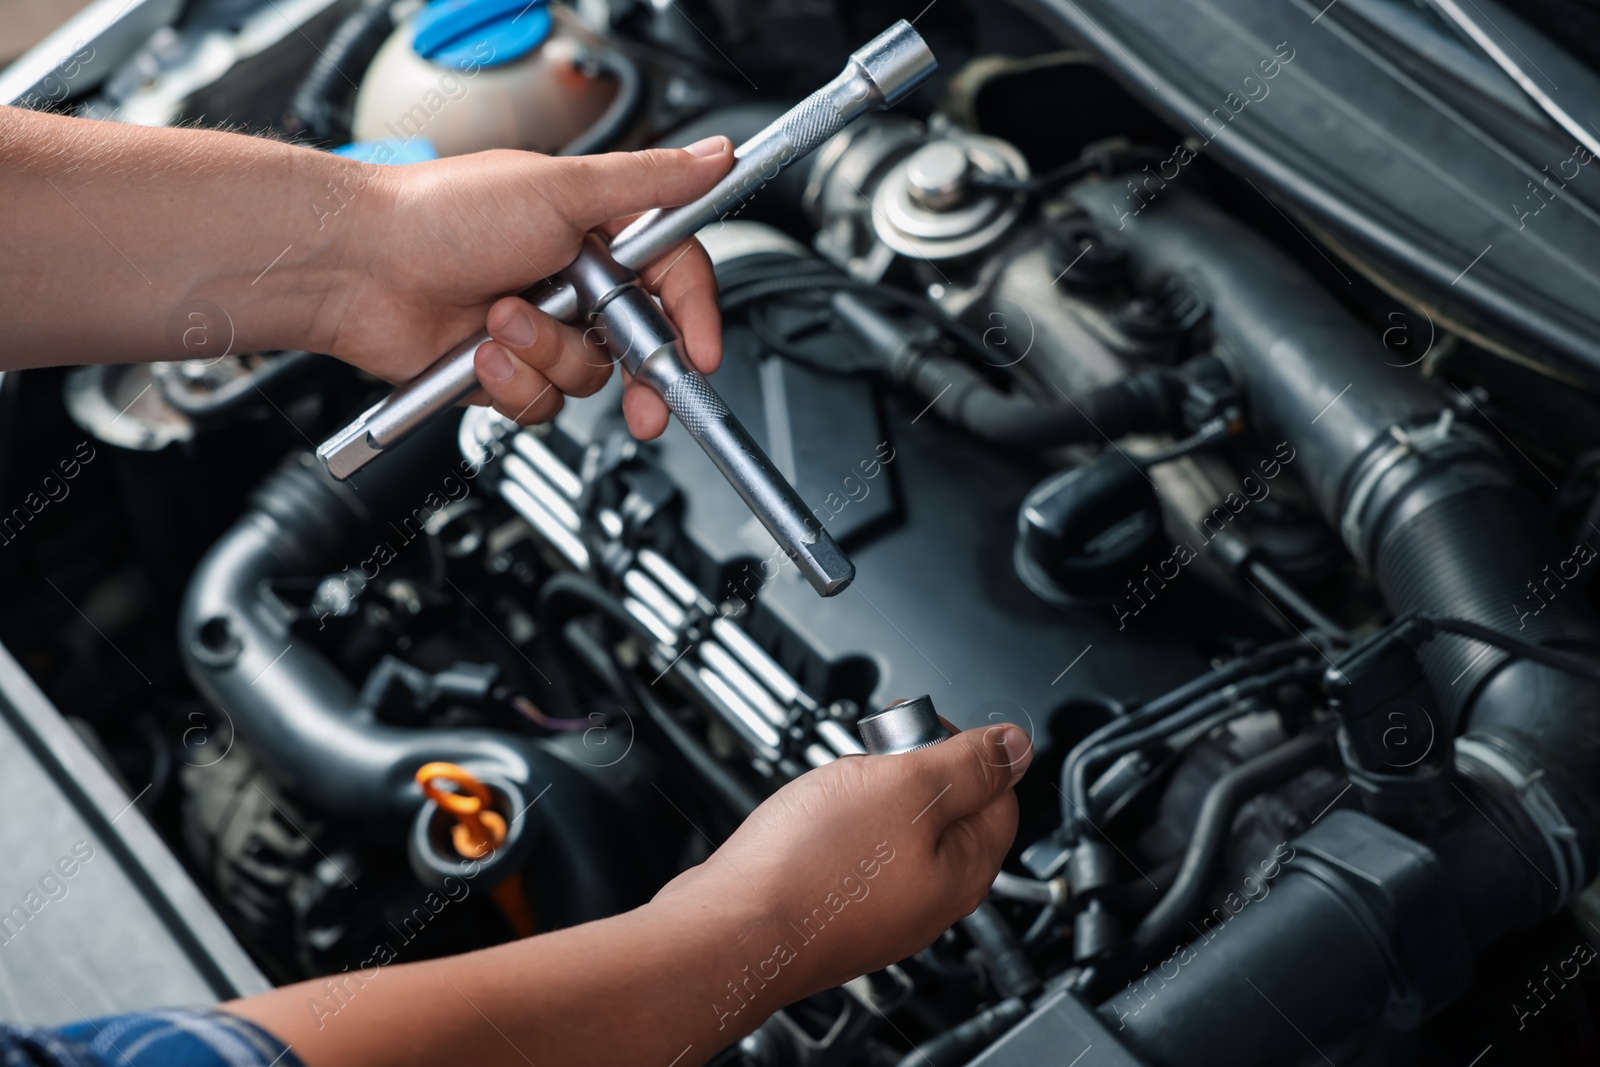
147 1039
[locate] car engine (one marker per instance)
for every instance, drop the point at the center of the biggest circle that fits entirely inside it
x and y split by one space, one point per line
1140 363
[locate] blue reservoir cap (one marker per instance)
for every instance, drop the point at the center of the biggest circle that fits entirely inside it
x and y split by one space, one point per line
391 150
480 33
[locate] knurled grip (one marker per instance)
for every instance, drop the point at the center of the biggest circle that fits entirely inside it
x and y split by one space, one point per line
814 120
695 404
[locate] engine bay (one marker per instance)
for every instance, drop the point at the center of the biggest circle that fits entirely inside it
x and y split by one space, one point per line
1276 544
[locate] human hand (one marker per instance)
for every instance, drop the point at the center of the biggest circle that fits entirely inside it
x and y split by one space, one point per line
859 863
443 242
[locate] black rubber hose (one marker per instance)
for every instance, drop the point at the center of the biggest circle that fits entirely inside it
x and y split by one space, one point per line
1177 720
1446 529
567 595
1164 926
1585 667
1146 401
299 711
1143 402
318 110
608 129
1009 967
960 1043
1191 690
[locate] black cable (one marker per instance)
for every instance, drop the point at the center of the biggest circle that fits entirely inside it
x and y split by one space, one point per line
1213 432
1010 970
1176 746
1279 589
564 591
606 130
790 348
734 793
1240 690
1102 156
1160 706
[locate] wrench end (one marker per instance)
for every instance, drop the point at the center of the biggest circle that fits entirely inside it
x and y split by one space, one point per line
896 62
825 566
349 452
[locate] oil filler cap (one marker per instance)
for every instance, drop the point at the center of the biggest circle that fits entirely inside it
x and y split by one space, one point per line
466 34
1082 533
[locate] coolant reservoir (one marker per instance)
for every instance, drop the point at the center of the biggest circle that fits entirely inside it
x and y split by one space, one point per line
469 75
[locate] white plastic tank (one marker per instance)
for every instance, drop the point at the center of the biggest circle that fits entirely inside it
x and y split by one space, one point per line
470 75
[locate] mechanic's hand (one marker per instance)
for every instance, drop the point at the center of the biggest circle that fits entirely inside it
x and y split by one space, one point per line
446 240
864 861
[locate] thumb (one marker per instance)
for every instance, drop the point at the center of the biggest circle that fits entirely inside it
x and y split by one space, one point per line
972 768
590 190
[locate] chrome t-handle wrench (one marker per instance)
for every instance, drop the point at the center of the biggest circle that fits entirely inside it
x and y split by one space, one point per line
641 338
878 76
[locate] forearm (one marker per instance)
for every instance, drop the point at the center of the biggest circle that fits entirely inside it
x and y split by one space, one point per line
151 226
640 988
855 865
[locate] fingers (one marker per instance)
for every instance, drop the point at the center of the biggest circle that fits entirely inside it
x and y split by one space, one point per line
515 389
644 410
534 361
684 280
687 285
590 190
972 769
973 847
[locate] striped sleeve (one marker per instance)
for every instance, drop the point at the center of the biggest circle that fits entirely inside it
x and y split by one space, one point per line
178 1038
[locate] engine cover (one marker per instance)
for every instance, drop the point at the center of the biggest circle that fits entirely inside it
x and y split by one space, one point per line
928 514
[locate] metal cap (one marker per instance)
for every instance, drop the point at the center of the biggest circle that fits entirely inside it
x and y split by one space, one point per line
896 61
904 726
937 174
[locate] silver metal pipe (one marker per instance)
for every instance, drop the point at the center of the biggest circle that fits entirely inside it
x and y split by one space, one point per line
879 75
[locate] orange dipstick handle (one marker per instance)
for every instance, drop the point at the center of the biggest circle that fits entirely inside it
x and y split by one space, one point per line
479 829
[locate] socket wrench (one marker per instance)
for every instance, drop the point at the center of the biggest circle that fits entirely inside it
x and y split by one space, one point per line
904 726
641 338
879 75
